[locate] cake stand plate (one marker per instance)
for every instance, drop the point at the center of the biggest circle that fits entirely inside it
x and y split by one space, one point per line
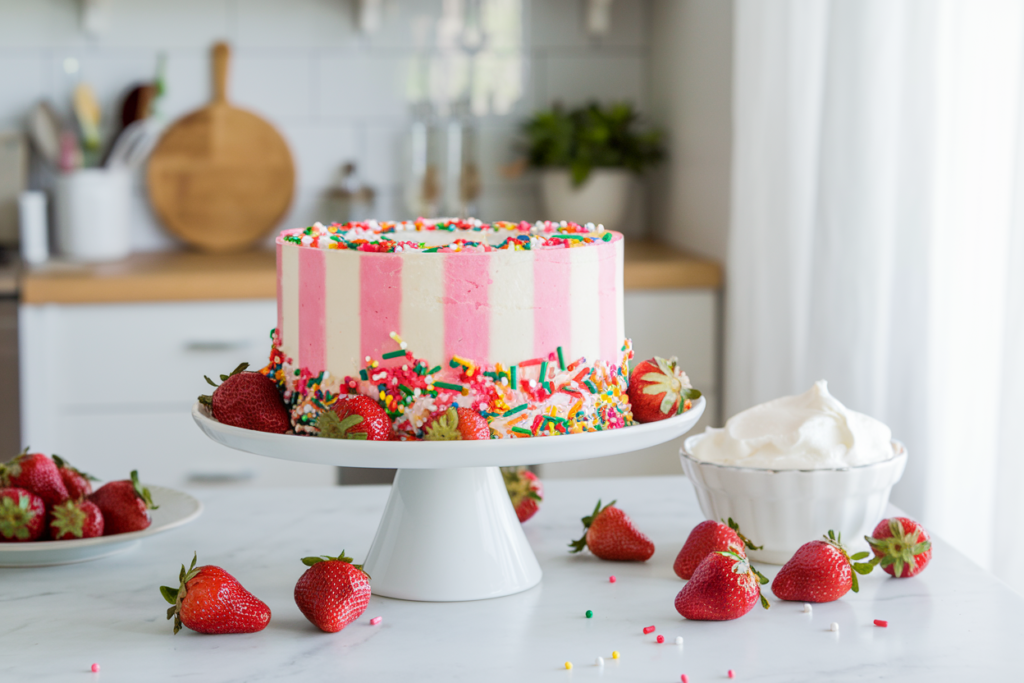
449 531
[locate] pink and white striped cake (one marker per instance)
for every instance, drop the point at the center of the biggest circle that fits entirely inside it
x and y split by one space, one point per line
498 316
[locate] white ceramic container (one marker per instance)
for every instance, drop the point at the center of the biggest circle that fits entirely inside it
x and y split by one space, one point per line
601 199
783 509
93 209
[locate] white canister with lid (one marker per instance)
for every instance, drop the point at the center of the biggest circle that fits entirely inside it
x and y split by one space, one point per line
93 210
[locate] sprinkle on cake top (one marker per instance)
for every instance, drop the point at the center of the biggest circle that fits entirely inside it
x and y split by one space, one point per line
383 236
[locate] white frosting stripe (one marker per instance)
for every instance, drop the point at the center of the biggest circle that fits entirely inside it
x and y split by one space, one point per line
511 299
290 301
342 325
422 310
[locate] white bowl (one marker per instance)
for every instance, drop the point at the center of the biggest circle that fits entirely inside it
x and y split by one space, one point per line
783 509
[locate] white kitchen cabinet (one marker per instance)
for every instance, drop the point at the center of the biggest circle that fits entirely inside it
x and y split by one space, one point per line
110 387
670 322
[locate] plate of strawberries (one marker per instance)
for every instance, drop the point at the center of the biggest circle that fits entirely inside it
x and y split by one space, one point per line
52 513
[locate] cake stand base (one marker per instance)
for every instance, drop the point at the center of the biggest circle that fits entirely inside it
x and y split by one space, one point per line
450 535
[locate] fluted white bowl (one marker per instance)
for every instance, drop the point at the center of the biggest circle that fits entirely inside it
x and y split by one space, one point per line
783 509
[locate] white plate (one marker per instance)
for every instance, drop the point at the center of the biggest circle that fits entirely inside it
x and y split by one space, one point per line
443 454
175 508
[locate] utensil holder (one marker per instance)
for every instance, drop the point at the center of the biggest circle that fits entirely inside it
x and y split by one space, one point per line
93 207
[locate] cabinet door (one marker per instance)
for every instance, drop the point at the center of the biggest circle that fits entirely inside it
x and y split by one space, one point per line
682 323
111 387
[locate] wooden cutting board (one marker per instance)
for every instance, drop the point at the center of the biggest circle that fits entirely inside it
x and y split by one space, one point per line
221 177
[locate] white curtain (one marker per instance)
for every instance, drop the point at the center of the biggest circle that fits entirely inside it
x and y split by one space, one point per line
876 237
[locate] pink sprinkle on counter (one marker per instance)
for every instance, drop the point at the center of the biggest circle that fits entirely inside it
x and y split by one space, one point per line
376 620
648 629
732 674
882 623
661 639
95 668
684 678
611 579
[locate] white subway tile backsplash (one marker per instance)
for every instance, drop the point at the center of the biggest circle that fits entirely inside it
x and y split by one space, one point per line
297 24
381 162
22 84
276 83
606 77
319 151
163 24
557 24
368 85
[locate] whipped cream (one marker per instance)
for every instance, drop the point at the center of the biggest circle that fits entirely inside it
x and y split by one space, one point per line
806 432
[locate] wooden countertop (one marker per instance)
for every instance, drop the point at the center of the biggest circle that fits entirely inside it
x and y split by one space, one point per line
191 276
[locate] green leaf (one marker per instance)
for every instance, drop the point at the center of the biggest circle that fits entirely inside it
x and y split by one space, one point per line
855 585
310 561
170 594
860 556
692 394
764 602
863 567
210 382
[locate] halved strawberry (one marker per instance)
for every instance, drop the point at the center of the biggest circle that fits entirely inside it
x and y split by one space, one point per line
355 417
456 424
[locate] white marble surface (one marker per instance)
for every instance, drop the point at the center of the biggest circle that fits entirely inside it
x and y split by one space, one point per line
953 623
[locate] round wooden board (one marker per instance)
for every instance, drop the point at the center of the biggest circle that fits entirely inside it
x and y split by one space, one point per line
221 178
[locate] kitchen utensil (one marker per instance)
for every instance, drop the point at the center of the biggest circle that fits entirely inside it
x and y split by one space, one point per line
134 107
33 227
71 156
174 509
220 178
93 207
133 145
87 112
449 494
44 128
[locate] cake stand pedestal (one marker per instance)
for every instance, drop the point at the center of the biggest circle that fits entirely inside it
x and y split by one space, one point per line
449 531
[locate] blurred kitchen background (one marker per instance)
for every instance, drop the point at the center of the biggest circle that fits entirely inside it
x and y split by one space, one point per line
839 195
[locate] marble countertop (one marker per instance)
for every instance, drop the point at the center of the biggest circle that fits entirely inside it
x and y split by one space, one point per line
955 622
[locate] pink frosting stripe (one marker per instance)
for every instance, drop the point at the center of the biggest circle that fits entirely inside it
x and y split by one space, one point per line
607 292
312 307
467 316
280 308
380 303
552 323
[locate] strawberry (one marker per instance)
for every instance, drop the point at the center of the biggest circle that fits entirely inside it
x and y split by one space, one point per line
706 538
820 571
610 534
22 515
456 424
901 546
248 400
75 519
724 586
78 483
333 592
209 600
525 490
125 505
355 417
35 472
659 389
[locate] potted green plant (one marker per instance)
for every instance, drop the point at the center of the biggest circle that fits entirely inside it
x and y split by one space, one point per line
587 156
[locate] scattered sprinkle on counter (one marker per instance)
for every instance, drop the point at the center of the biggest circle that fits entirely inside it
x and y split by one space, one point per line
568 665
684 678
599 662
807 608
679 640
732 674
611 579
834 627
615 654
661 639
95 668
590 613
376 620
881 623
648 629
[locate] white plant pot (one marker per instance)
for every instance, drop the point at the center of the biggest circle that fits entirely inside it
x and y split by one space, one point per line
602 199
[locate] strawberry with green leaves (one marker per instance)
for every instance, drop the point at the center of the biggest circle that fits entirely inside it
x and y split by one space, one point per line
723 587
659 389
37 473
249 400
609 534
901 546
524 489
708 537
333 592
76 518
78 483
457 424
209 600
125 505
820 571
355 416
22 515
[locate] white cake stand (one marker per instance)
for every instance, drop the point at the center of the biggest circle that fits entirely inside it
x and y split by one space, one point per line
449 531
